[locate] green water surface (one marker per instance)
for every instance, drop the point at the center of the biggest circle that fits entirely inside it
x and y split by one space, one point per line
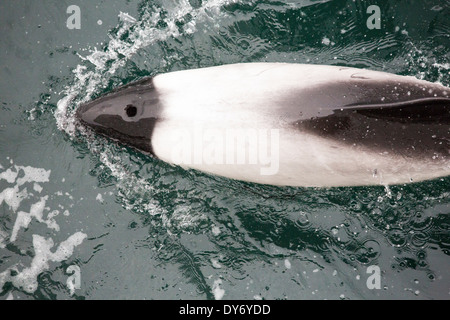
154 231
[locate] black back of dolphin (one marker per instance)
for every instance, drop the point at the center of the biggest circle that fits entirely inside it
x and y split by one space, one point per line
414 129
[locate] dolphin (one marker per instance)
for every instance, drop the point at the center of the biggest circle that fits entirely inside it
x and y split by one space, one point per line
284 124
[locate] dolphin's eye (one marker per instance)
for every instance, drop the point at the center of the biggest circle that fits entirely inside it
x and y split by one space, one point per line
131 110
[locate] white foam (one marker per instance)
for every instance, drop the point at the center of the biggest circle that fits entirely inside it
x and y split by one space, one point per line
51 223
36 211
287 264
185 218
215 230
3 236
13 197
8 175
27 278
445 66
33 175
99 198
30 174
216 264
37 188
218 292
326 41
388 191
125 17
22 221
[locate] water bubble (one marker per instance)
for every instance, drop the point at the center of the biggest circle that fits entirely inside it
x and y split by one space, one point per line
396 237
368 251
326 41
421 255
436 8
244 44
422 263
419 239
421 222
303 221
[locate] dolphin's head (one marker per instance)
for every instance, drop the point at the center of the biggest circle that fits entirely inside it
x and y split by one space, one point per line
127 114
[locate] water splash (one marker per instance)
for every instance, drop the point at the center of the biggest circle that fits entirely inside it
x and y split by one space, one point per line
96 71
140 34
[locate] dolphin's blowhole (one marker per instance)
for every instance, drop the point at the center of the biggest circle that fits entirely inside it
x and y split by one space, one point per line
131 110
